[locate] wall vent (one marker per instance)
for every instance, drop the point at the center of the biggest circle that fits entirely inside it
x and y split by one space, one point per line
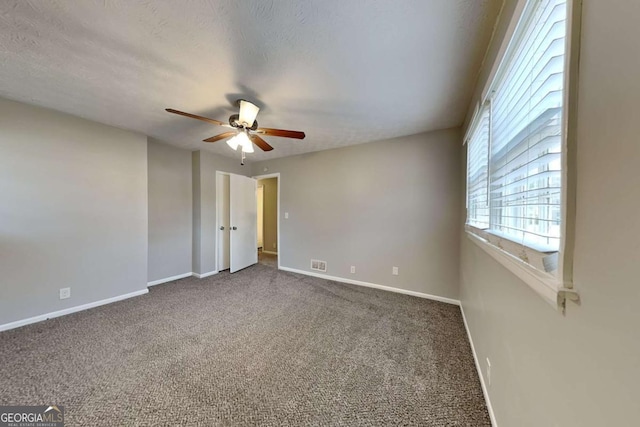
318 265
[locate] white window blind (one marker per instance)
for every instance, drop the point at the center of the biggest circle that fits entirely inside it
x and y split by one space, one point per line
478 171
526 122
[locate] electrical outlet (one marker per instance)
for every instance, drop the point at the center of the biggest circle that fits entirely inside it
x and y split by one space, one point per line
65 293
488 372
353 269
286 215
394 271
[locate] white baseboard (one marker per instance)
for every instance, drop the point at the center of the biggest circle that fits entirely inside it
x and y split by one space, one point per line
182 276
479 369
203 275
269 252
75 309
170 279
373 285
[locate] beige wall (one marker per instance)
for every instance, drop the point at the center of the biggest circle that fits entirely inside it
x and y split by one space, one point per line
270 212
375 206
582 369
73 211
170 211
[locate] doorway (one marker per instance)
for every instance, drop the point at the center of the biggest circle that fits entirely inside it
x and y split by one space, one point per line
236 224
269 250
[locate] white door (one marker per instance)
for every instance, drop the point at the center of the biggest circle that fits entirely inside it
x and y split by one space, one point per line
224 243
260 195
244 221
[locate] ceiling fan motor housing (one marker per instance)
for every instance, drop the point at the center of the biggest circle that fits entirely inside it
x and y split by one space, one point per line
234 120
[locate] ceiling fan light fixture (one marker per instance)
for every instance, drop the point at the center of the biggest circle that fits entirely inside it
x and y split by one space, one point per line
245 142
241 140
233 142
248 113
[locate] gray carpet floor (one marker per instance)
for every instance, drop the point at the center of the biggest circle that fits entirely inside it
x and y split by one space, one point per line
259 347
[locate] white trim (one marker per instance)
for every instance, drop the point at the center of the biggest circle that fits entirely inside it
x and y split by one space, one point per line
259 231
485 391
373 285
547 286
269 252
266 176
40 318
218 208
203 275
472 124
569 138
170 279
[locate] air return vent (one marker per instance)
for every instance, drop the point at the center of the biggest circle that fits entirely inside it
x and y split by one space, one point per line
318 265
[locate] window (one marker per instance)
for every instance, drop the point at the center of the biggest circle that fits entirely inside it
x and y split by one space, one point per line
515 142
478 172
526 145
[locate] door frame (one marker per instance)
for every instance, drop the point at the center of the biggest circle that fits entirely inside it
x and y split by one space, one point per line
260 188
267 176
218 216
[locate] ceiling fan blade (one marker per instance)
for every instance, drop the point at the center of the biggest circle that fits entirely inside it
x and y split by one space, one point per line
281 132
193 116
221 136
260 142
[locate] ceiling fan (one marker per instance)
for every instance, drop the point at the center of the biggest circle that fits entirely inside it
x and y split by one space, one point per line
245 131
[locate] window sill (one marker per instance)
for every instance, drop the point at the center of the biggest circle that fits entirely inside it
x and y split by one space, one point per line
549 287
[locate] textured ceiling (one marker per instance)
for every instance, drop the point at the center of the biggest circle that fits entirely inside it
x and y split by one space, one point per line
343 71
